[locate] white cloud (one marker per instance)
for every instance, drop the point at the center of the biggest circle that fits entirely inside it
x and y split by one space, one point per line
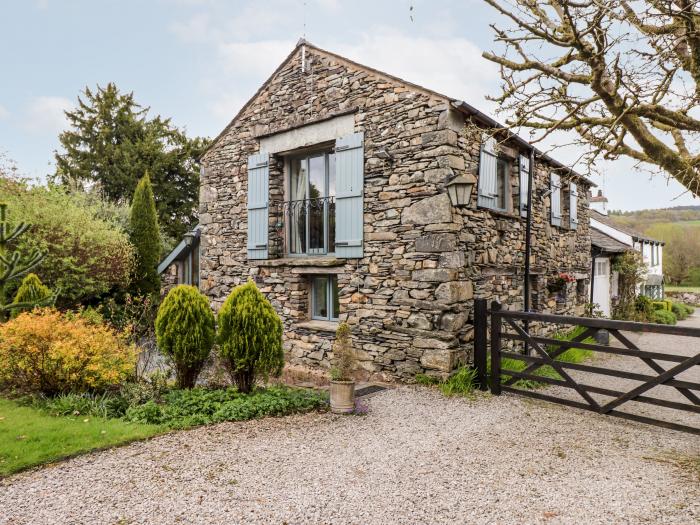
45 115
451 66
254 58
4 113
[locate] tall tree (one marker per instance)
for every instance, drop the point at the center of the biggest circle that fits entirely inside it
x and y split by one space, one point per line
112 141
623 76
145 236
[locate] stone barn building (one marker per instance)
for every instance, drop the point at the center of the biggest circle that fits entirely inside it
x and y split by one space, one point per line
330 190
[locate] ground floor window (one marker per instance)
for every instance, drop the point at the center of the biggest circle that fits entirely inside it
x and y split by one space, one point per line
653 291
324 298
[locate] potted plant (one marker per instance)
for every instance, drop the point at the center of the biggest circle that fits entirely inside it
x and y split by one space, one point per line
558 285
342 383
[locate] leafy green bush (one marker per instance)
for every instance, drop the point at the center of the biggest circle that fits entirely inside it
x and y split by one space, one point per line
199 406
87 250
33 292
663 317
250 337
185 332
681 311
644 306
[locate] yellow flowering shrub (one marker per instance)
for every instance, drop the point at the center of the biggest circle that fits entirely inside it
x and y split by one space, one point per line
50 352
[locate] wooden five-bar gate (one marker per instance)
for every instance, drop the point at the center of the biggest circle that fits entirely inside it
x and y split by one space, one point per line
511 337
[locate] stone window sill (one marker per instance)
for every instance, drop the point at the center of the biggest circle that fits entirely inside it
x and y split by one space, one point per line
500 213
323 261
318 326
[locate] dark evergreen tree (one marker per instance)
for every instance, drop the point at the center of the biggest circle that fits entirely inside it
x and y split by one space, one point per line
112 141
145 236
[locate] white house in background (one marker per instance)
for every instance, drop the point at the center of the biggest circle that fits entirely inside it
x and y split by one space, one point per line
608 240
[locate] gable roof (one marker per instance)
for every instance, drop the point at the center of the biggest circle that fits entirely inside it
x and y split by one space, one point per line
459 105
604 219
606 243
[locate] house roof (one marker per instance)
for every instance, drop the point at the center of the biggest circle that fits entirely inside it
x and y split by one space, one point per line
179 251
606 243
604 219
459 105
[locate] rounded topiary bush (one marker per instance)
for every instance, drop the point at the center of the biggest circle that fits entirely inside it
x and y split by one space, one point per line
250 337
185 332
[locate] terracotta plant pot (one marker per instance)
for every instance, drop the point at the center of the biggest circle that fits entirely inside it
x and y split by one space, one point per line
342 397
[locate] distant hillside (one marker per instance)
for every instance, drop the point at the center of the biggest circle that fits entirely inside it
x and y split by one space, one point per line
642 220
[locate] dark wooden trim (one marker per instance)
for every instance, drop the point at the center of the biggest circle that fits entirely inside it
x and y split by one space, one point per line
607 324
614 413
495 382
602 371
653 365
480 342
599 348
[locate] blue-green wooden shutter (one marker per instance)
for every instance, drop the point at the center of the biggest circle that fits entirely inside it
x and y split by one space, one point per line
488 186
524 181
258 196
349 180
573 206
555 199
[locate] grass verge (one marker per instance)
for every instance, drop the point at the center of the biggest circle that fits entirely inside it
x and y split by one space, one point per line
40 430
30 437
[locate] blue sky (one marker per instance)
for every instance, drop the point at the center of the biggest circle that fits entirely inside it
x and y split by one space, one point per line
198 61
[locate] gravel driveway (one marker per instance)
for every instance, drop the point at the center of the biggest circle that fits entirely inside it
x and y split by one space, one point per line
416 458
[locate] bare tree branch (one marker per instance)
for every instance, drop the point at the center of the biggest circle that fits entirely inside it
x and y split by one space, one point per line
623 76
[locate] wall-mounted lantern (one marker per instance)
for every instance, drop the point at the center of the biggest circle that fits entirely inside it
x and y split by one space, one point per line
459 190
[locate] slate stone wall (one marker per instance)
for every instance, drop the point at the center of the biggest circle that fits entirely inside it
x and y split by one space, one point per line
409 299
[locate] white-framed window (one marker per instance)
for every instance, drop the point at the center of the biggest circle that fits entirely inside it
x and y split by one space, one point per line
311 208
324 298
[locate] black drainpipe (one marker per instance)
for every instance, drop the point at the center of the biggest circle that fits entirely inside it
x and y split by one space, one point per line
528 235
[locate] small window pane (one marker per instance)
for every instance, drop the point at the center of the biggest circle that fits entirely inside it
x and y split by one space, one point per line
320 298
501 183
334 298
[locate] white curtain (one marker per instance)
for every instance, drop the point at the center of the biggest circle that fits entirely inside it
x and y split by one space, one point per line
300 182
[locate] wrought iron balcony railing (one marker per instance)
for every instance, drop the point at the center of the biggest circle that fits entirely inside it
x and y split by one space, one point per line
309 226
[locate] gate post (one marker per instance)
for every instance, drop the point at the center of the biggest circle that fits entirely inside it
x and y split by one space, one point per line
495 349
480 343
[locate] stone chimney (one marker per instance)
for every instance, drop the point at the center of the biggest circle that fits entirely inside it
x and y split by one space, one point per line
599 203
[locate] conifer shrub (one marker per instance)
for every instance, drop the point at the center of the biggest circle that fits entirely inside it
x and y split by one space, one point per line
46 351
32 292
145 236
185 332
250 337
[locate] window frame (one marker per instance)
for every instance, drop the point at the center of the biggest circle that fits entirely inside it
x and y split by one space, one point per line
331 285
507 196
305 158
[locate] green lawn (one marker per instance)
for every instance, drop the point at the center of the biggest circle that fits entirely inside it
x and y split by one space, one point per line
670 288
29 437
